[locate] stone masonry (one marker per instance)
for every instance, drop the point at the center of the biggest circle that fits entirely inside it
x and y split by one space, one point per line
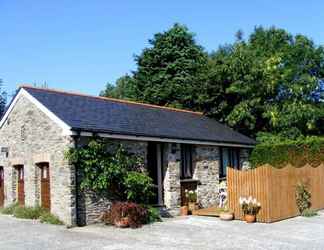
32 137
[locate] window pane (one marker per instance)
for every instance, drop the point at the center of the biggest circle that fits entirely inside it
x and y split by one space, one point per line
186 161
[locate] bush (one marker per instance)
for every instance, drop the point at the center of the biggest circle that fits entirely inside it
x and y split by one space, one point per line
28 212
153 215
138 187
303 197
49 218
308 212
9 209
279 151
136 214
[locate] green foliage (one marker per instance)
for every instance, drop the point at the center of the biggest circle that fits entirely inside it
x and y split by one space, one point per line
269 82
28 212
9 209
124 88
308 212
49 218
168 72
266 83
279 151
137 184
3 99
153 215
114 172
303 197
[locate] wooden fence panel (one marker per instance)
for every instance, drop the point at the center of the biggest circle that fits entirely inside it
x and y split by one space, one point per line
274 189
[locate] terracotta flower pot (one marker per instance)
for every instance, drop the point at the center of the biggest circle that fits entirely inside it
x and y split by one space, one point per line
122 223
227 216
250 218
184 211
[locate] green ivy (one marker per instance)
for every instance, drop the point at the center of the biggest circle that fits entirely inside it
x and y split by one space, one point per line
114 173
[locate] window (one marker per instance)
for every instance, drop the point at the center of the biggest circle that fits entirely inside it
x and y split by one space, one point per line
230 157
186 161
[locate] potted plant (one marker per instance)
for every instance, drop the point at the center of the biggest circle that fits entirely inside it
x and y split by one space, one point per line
250 208
122 222
191 196
226 214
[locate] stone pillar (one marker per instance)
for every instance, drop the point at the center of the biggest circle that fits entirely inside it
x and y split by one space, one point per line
206 170
172 194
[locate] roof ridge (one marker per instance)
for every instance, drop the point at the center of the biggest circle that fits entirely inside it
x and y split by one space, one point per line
26 86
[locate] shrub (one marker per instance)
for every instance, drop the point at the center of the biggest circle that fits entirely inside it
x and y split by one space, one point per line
153 215
28 212
9 209
303 197
49 218
308 212
278 151
138 187
136 214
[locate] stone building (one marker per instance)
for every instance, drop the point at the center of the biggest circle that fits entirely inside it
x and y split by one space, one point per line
182 149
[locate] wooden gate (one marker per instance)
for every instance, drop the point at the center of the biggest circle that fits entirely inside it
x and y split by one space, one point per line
21 186
45 187
1 187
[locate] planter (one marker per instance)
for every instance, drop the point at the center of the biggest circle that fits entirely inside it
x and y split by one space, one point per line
227 216
191 206
184 211
250 218
122 223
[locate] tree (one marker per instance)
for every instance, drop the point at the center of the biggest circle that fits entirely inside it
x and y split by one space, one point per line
3 100
168 73
123 89
266 83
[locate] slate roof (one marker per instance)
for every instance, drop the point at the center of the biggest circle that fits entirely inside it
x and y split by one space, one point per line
98 114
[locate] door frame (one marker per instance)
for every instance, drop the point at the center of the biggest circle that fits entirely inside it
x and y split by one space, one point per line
2 193
20 179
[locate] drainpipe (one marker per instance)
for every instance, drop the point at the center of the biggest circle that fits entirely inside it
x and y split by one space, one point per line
76 139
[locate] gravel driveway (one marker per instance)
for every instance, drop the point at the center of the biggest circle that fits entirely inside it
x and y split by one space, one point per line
179 233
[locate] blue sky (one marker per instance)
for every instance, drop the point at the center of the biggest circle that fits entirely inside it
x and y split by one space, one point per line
81 45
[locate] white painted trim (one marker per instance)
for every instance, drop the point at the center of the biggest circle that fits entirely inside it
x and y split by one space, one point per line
158 139
22 92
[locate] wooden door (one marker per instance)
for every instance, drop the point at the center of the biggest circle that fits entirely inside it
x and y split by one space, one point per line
21 186
45 187
1 187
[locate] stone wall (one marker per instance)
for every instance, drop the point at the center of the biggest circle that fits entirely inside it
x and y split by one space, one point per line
206 170
29 134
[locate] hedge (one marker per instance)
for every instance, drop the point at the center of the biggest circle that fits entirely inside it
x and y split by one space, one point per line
278 153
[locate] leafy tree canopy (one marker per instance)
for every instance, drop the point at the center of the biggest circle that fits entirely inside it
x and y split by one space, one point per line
3 99
270 82
168 72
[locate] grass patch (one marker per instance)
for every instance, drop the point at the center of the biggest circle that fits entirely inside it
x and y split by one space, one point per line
9 209
32 213
309 212
28 212
49 218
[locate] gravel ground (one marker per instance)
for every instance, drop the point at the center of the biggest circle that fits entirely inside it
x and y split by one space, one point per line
178 233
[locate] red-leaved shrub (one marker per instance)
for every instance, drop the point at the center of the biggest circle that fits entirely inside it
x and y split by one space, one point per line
136 214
